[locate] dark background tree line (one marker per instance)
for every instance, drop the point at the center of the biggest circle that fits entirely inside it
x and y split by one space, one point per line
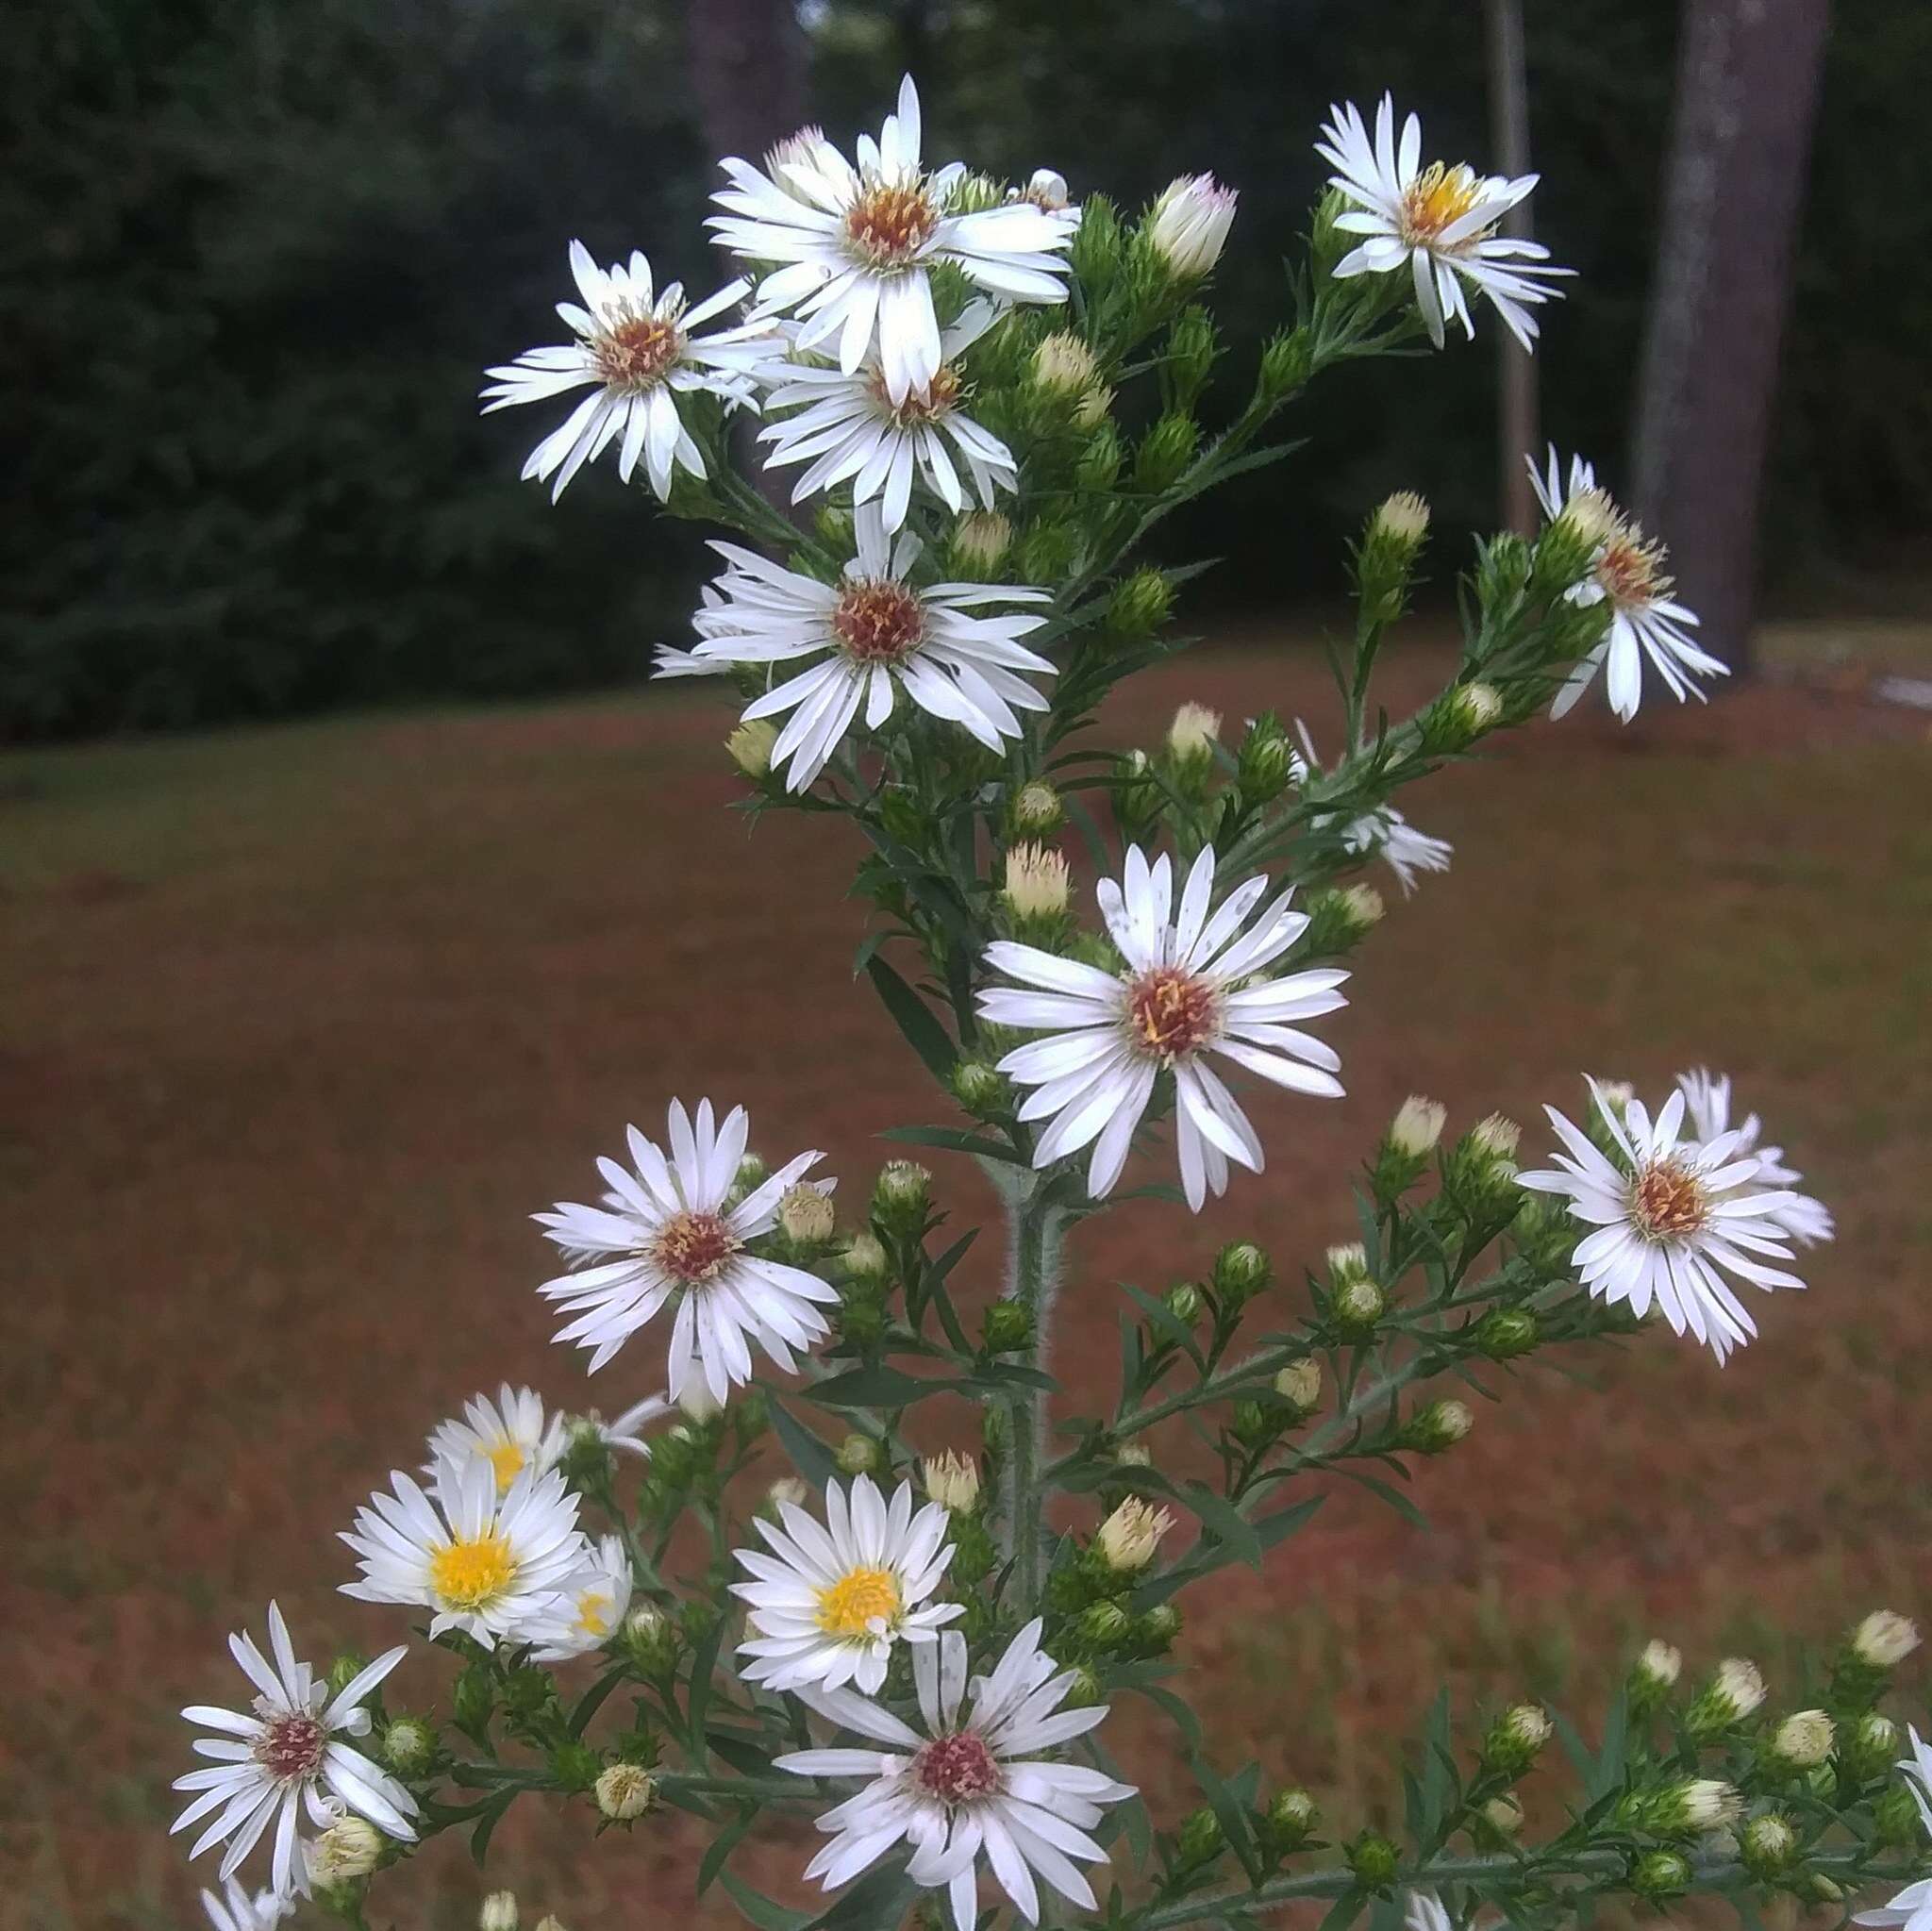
257 255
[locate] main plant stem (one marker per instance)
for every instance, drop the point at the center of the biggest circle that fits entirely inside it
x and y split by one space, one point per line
1035 1229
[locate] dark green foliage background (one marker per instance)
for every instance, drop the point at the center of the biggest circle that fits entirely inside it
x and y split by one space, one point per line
257 256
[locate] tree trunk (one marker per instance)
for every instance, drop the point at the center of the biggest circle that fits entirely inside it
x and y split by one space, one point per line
1516 389
1747 91
747 71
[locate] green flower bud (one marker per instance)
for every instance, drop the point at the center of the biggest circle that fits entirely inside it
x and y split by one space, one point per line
576 1766
1200 1839
1460 717
1385 558
1896 1821
1518 1733
1035 809
1338 917
1285 365
1766 1845
1504 1333
750 746
1265 762
865 1259
1357 1305
1095 249
1097 468
1820 1889
408 1745
1803 1741
1184 1301
1869 1745
832 525
1137 799
1191 742
1437 1429
978 1088
1660 1875
1253 1425
1139 605
1007 1326
1686 1807
1654 1675
1104 1623
1292 1817
1165 451
903 817
1086 1692
1046 553
1731 1695
1157 1629
1190 354
1241 1271
902 1196
473 1699
978 545
343 1671
651 1639
858 1455
1373 1860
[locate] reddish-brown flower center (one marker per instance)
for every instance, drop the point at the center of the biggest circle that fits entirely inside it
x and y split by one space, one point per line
1668 1201
956 1768
691 1247
927 405
291 1746
887 226
1172 1013
1630 570
878 622
635 353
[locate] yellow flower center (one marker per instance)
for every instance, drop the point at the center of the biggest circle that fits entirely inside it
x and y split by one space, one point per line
507 1458
888 226
1436 199
856 1600
470 1573
593 1613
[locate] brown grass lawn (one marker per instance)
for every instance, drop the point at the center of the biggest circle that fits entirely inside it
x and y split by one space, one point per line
298 1024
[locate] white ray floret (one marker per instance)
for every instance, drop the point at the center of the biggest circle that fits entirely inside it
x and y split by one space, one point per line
857 245
1708 1097
232 1908
511 1432
874 634
973 1784
1626 572
637 354
479 1561
1384 831
847 428
830 1601
1670 1218
1439 221
670 1231
284 1758
1189 985
588 1609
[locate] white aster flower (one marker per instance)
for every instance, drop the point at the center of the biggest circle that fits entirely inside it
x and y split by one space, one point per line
1708 1097
969 1786
1423 1910
1188 226
668 1231
857 244
848 429
510 1433
233 1909
284 1756
482 1562
875 633
1385 830
829 1603
1441 220
1627 572
588 1607
1188 986
1668 1215
636 350
622 1433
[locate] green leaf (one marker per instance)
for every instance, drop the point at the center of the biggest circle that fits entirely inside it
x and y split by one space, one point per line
876 1387
1231 1816
914 1018
592 1699
486 1826
703 1660
1163 1319
1219 1515
713 1860
1388 1493
983 1145
880 1897
810 1455
766 1913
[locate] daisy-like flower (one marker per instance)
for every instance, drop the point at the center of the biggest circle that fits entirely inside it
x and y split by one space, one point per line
971 1785
1441 220
1668 1215
482 1562
1708 1097
510 1433
1626 572
285 1755
1189 985
636 351
858 246
829 1603
849 429
1384 830
669 1231
622 1433
875 633
232 1909
587 1609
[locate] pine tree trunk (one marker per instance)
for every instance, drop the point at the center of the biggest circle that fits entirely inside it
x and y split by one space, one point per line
1747 91
1516 391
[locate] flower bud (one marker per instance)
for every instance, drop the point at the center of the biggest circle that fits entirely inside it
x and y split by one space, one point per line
1241 1271
407 1745
625 1790
1460 716
1730 1696
1165 451
1086 1692
1285 365
975 193
1158 1627
804 1216
350 1848
1300 1385
1766 1843
1191 737
1187 227
750 746
1046 553
1503 570
902 1195
1129 1538
978 544
1064 365
1495 1138
1505 1333
1417 1126
1867 1744
1090 411
1036 885
1804 1740
1007 1326
1516 1735
651 1639
1358 1305
1137 799
1436 1428
1190 354
952 1481
1883 1639
1292 1816
1348 1260
1373 1860
550 1921
1266 761
499 1912
473 1699
977 1087
1654 1673
1139 605
1132 1455
1097 467
1337 918
1385 557
1686 1807
865 1259
1822 1890
698 1403
858 1455
1095 249
1199 1838
1034 808
1503 1815
1897 1820
786 1490
1660 1875
1184 1301
1104 1623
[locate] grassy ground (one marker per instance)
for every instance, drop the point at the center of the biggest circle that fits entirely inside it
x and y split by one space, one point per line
297 1025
